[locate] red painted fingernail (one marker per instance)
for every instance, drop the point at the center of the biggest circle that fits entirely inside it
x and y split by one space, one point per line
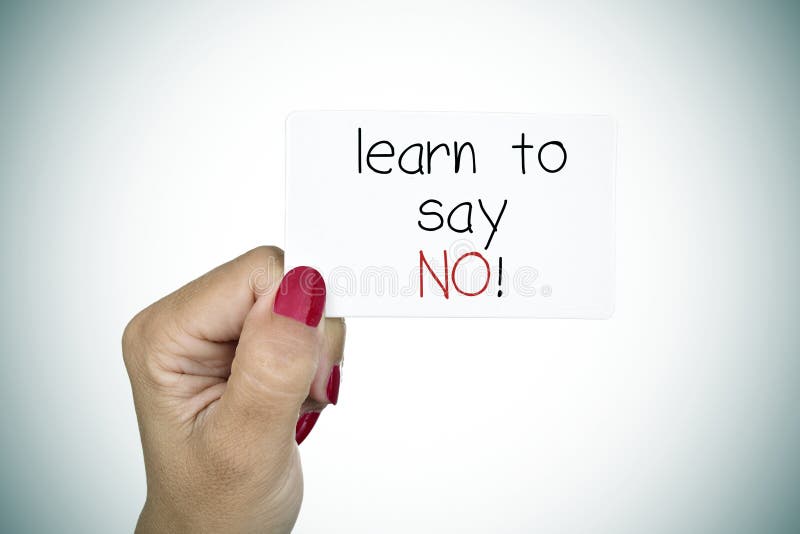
304 426
333 384
301 296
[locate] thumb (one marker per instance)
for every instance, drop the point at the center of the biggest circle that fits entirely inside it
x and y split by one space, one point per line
276 357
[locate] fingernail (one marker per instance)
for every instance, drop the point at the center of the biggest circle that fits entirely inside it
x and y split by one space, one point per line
333 384
301 296
304 426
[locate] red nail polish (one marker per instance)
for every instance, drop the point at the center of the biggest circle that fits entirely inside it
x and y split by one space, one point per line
304 426
301 296
333 384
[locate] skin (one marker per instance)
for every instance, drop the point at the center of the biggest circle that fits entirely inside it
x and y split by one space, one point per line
219 381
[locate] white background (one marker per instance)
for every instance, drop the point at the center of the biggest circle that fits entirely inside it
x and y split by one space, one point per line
143 145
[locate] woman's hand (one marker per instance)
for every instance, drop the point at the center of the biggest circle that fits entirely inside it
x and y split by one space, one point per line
228 373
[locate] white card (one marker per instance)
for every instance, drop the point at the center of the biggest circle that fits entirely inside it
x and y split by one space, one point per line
379 202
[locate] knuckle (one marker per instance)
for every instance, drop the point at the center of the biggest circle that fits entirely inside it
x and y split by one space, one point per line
265 254
265 266
284 369
133 334
143 343
293 355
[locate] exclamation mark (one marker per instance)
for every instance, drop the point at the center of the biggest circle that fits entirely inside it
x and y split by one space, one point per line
500 278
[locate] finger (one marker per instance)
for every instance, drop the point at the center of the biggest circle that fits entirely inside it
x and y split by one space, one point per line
276 359
213 307
325 387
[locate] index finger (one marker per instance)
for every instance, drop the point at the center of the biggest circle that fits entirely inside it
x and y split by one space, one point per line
213 307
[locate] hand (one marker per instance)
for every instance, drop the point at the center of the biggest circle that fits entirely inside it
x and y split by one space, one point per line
220 370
